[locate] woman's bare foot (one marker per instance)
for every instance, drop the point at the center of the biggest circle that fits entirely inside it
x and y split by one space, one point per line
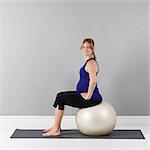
46 130
52 132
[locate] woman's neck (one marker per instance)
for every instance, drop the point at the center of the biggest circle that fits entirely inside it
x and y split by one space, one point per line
88 57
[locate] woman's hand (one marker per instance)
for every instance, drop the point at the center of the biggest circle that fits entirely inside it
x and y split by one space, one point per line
85 96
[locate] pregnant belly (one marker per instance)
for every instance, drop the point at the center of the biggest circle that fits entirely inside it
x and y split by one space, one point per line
82 87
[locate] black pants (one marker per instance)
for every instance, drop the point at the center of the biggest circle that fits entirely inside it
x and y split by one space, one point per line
72 98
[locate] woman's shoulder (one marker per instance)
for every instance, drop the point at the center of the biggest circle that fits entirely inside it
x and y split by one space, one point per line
90 60
92 63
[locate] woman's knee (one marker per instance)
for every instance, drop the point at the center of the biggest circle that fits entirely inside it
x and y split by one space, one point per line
59 94
59 105
59 99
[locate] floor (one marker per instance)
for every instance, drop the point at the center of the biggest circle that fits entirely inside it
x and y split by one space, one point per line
9 123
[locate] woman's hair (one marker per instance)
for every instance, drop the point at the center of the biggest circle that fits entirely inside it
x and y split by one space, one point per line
91 42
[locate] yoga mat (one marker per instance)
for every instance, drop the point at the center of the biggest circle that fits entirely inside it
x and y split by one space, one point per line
75 133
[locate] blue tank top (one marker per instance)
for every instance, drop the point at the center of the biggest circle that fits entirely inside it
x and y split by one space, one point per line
83 84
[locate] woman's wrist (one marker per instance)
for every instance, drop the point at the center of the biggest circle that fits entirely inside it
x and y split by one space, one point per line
88 95
90 89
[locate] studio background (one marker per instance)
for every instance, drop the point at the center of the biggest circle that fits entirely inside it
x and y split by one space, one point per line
40 54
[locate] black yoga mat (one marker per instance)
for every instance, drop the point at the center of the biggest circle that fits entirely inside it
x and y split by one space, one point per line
75 133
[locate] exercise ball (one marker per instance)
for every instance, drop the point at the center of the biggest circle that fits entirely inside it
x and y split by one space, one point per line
96 120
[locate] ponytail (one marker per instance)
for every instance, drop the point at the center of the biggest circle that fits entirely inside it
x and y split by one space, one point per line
94 54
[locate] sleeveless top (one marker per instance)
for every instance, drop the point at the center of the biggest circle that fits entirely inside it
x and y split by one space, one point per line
83 84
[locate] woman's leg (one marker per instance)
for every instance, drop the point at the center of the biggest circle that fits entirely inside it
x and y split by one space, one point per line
55 130
58 117
66 98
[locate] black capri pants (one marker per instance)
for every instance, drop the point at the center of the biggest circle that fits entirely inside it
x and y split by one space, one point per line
72 98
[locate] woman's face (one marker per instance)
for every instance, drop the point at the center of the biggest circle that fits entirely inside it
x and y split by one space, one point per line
86 49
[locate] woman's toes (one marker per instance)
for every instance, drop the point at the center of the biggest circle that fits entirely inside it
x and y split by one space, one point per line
46 130
52 133
44 134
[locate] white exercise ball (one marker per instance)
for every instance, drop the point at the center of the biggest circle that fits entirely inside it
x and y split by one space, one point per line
96 120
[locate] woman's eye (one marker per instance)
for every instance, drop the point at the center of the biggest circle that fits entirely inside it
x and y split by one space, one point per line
85 47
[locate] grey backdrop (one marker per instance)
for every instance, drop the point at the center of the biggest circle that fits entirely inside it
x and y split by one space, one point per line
40 55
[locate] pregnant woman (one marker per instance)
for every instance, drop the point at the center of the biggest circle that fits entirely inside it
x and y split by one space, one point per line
87 93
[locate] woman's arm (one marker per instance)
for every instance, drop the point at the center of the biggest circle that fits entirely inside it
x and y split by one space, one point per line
92 69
